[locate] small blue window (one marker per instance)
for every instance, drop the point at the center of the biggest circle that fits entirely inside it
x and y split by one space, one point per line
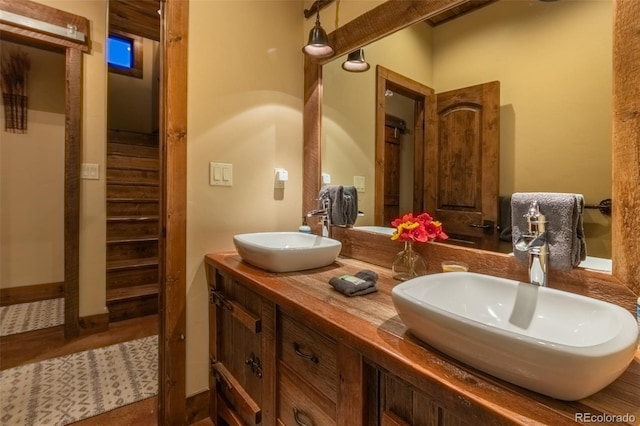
120 52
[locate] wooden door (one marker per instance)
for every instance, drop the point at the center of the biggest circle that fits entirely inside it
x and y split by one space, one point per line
462 172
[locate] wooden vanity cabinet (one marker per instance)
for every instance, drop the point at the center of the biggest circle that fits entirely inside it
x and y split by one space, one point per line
287 349
271 368
241 353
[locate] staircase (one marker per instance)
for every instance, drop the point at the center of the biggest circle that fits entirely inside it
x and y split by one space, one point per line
133 193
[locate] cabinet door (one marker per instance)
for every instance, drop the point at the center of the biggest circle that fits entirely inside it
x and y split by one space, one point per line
397 403
241 382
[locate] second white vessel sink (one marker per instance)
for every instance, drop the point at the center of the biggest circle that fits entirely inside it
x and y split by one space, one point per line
556 343
286 251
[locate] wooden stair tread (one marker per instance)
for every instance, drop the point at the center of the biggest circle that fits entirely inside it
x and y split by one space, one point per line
132 200
132 240
145 218
133 137
116 265
136 184
124 293
132 150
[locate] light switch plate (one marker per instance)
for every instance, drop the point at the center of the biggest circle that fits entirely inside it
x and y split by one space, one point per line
358 182
220 174
90 171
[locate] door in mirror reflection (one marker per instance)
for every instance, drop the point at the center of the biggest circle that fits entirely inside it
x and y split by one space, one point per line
463 166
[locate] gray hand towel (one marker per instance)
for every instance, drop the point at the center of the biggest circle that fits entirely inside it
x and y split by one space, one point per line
350 205
336 198
565 233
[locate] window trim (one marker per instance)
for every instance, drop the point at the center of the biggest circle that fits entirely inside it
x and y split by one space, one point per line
136 66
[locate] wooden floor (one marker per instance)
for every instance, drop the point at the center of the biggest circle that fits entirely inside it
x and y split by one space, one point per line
25 348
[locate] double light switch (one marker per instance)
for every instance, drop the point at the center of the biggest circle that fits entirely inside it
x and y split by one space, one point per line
220 174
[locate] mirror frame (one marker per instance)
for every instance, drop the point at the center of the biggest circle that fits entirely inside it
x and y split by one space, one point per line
392 16
73 51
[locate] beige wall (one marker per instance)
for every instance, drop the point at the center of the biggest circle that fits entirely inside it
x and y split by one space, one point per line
92 192
348 108
133 102
244 108
554 64
32 177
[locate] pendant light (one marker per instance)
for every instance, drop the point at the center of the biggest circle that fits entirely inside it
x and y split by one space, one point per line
355 62
318 45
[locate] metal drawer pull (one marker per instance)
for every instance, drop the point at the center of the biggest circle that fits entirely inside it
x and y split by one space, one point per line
310 357
217 298
254 362
302 418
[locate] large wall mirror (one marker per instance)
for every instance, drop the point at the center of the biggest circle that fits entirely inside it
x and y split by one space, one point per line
525 118
555 123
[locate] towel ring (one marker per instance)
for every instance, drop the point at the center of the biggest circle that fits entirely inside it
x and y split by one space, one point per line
604 207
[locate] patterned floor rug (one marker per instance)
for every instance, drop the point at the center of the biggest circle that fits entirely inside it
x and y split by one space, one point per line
31 316
63 390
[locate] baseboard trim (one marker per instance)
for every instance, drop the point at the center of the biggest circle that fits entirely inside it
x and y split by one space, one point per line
31 293
94 324
197 407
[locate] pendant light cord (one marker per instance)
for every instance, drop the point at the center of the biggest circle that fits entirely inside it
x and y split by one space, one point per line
337 12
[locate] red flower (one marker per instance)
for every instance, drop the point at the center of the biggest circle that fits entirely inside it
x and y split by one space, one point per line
421 229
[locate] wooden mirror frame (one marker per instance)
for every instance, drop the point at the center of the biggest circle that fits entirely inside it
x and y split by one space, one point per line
392 16
73 50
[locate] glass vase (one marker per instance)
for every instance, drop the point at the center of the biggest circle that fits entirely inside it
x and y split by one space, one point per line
408 263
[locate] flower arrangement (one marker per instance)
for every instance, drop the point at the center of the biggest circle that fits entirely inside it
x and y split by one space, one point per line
422 228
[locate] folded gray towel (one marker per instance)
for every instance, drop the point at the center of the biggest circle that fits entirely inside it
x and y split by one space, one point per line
363 282
567 246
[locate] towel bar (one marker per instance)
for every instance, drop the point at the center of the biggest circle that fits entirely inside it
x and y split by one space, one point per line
604 207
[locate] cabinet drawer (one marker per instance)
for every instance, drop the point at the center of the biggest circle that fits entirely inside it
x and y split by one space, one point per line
310 354
299 404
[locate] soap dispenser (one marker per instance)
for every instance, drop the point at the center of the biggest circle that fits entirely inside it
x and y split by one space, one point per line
304 228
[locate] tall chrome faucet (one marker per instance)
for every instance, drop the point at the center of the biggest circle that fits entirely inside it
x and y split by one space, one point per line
324 213
535 243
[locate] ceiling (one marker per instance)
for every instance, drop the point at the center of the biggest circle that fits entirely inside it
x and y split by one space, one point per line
138 17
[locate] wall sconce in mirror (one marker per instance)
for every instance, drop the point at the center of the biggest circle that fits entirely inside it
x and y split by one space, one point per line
355 62
318 45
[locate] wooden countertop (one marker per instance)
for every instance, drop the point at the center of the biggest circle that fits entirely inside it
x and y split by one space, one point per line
370 324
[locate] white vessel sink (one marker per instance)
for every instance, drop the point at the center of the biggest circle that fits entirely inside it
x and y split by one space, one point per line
376 229
286 251
556 343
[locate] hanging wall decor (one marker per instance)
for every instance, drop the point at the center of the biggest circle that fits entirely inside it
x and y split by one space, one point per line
14 70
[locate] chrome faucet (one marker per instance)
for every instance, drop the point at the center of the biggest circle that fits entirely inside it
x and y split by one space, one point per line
535 243
324 213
